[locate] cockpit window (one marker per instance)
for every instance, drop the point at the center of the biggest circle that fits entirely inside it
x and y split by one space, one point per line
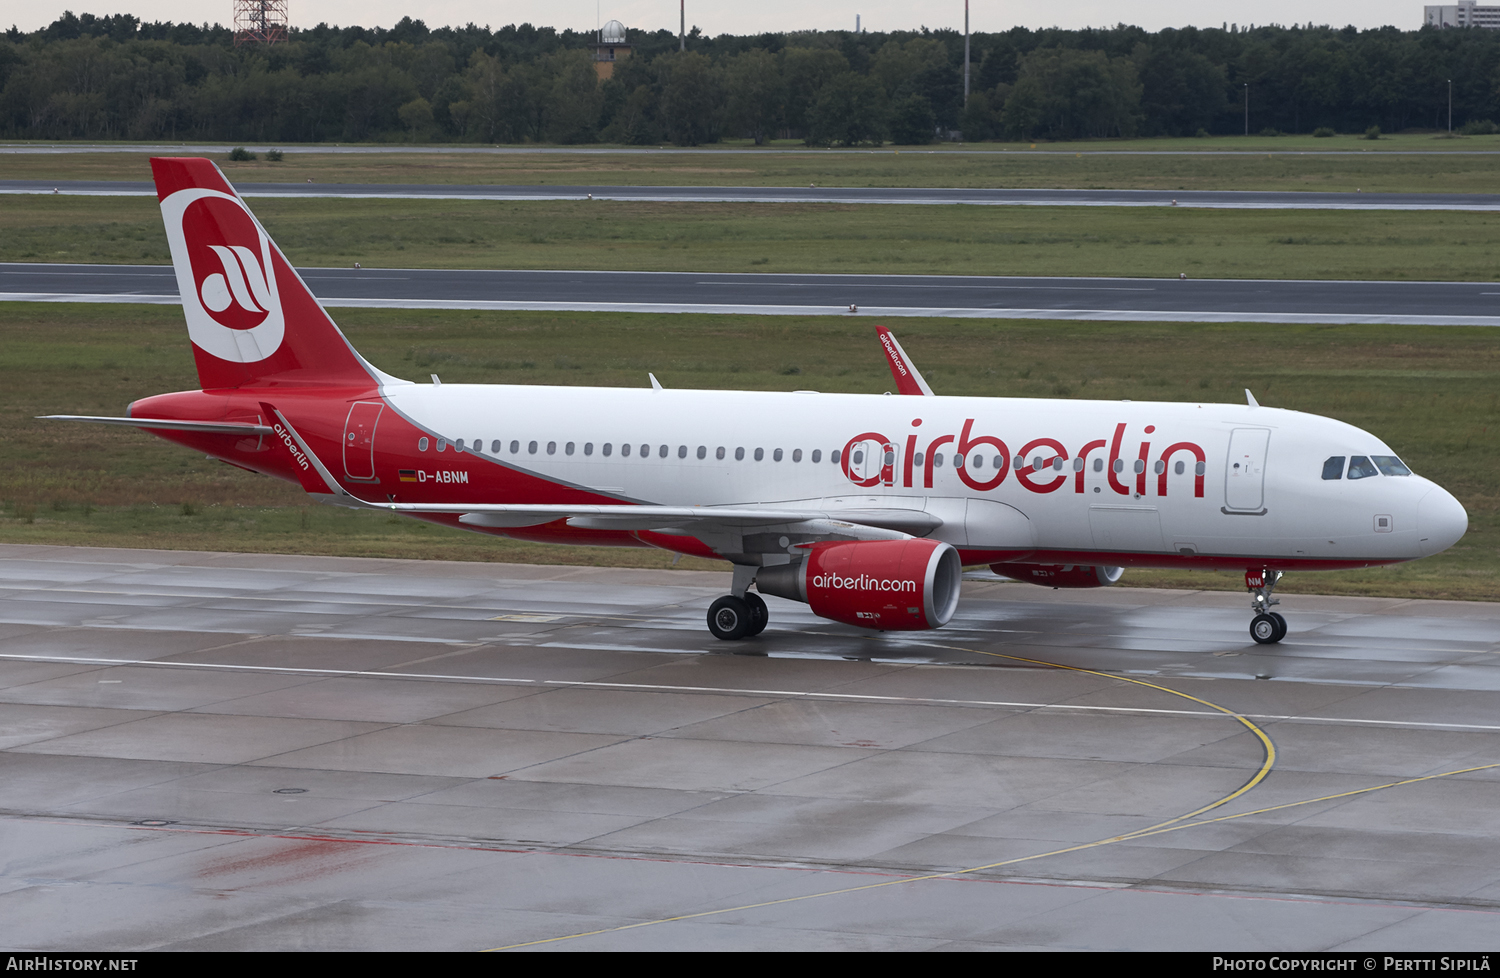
1333 468
1361 467
1390 465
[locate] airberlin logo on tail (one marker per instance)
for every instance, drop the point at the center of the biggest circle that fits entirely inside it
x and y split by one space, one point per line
224 273
242 283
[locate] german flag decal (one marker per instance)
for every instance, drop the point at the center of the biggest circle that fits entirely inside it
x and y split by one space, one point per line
408 475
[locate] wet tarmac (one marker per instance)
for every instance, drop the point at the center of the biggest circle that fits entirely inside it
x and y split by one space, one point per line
230 751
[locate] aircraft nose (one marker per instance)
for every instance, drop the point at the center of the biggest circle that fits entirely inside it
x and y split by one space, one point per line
1441 521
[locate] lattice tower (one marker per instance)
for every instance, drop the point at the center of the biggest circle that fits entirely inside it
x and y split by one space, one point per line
259 21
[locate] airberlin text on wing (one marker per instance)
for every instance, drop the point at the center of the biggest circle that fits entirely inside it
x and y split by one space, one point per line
1041 468
1389 962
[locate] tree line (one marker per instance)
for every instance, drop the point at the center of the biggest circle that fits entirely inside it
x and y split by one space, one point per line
115 77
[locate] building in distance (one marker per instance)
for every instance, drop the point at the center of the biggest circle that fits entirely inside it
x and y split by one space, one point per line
1465 13
610 47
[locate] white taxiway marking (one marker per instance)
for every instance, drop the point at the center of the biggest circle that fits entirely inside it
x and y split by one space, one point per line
738 691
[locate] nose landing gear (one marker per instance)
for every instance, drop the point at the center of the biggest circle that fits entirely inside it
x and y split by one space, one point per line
1267 627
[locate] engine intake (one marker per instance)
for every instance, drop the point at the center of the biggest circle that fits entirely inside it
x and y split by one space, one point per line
1060 575
889 585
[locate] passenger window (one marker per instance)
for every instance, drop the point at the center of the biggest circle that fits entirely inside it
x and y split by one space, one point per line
661 452
588 448
1180 467
937 460
1200 468
776 455
515 446
760 454
739 454
495 447
1161 466
458 446
646 451
1333 469
978 461
796 455
703 451
442 444
719 453
834 456
1119 465
915 459
817 455
859 458
607 449
1361 468
421 444
568 449
682 451
958 461
551 448
1098 465
625 450
1390 465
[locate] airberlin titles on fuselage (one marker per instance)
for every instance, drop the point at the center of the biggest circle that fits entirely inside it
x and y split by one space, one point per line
1028 466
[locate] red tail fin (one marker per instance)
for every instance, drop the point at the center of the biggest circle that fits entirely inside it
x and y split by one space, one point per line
251 318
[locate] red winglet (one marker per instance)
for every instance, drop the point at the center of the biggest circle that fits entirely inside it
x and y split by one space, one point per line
908 379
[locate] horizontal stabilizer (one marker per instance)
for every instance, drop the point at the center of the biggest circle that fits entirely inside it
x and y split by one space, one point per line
168 424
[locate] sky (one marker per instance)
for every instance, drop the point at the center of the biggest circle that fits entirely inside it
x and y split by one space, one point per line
758 17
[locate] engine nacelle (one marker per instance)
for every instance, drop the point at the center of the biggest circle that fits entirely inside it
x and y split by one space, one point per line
890 585
1060 575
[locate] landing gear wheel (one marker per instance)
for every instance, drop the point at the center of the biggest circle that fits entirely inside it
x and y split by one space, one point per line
1266 630
1280 626
729 618
760 615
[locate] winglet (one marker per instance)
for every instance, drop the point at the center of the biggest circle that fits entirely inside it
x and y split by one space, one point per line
315 478
1250 399
908 379
655 384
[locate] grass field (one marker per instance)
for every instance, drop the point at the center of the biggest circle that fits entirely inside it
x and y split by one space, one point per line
1431 392
1134 242
1410 163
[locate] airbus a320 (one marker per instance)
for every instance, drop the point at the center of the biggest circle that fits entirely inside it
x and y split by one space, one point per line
865 507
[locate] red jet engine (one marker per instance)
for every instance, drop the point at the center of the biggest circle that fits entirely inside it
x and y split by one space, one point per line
889 585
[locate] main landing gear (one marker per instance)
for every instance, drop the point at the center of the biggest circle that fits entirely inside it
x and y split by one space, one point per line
742 614
730 617
1267 627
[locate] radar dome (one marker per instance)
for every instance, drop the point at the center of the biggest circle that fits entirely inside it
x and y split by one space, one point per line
613 33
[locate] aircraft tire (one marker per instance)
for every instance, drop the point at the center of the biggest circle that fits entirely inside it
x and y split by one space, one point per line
1280 625
1265 630
729 618
760 615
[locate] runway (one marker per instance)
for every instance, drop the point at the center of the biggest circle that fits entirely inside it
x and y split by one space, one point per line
873 296
229 751
990 197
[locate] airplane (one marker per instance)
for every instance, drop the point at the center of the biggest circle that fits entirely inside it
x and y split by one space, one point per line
865 507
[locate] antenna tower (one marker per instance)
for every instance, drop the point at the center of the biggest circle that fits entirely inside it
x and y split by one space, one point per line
259 21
